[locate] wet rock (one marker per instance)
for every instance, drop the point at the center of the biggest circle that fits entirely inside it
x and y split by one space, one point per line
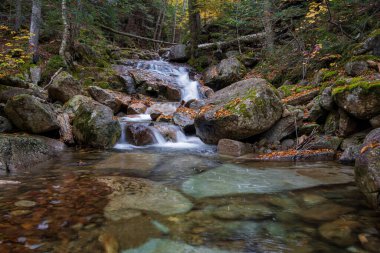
206 91
184 117
239 111
64 87
168 131
291 156
332 123
367 168
375 121
350 154
232 180
136 108
323 212
105 97
178 53
156 85
356 68
7 92
243 212
326 99
168 246
312 199
94 125
133 194
5 125
340 232
359 101
109 243
285 126
228 71
325 142
139 135
354 140
232 148
31 114
25 151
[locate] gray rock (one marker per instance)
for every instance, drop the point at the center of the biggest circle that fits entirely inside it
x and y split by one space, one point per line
35 74
178 53
105 97
25 151
285 126
7 92
139 134
136 108
303 99
360 102
14 81
354 140
356 68
93 125
350 154
243 212
185 119
168 246
375 121
64 87
71 106
325 142
316 111
232 148
133 194
241 110
31 114
223 74
347 124
332 123
327 100
5 125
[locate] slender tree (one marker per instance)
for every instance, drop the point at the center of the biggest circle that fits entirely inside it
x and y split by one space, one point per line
18 16
66 33
35 24
268 25
174 21
195 26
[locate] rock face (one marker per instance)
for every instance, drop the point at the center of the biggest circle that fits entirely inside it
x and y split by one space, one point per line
139 134
64 87
356 68
239 111
225 73
367 168
178 53
31 114
156 85
360 102
285 126
105 97
21 152
132 195
94 126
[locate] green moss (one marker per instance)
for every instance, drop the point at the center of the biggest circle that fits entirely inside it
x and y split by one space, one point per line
328 75
287 90
364 85
365 58
103 85
374 33
239 106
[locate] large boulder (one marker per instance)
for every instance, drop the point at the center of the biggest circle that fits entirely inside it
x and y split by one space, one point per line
31 114
105 97
24 151
71 106
241 110
223 74
64 87
156 85
7 92
360 100
94 125
178 53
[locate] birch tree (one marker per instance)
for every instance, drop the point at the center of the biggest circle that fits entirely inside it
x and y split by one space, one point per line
35 24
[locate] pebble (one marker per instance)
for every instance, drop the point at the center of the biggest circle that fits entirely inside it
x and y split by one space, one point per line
20 212
25 203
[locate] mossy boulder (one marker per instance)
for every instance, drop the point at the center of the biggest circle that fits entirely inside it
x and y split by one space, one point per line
361 99
64 87
31 114
94 125
19 152
71 106
241 110
7 92
223 74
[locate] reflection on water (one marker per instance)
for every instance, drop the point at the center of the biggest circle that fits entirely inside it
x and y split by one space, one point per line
159 201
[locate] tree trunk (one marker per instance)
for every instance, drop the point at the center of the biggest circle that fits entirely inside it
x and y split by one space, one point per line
225 44
18 16
35 24
66 33
174 21
268 26
195 26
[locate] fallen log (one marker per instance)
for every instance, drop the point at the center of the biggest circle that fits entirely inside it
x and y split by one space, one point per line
225 44
135 36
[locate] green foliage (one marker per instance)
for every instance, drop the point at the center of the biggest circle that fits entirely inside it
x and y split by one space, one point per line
355 84
54 63
328 75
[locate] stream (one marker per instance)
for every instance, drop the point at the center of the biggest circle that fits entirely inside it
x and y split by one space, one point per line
178 196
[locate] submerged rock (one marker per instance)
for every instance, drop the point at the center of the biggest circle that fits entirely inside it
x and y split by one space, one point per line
243 212
130 196
323 212
228 71
94 125
168 246
31 114
340 232
25 151
239 111
231 180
